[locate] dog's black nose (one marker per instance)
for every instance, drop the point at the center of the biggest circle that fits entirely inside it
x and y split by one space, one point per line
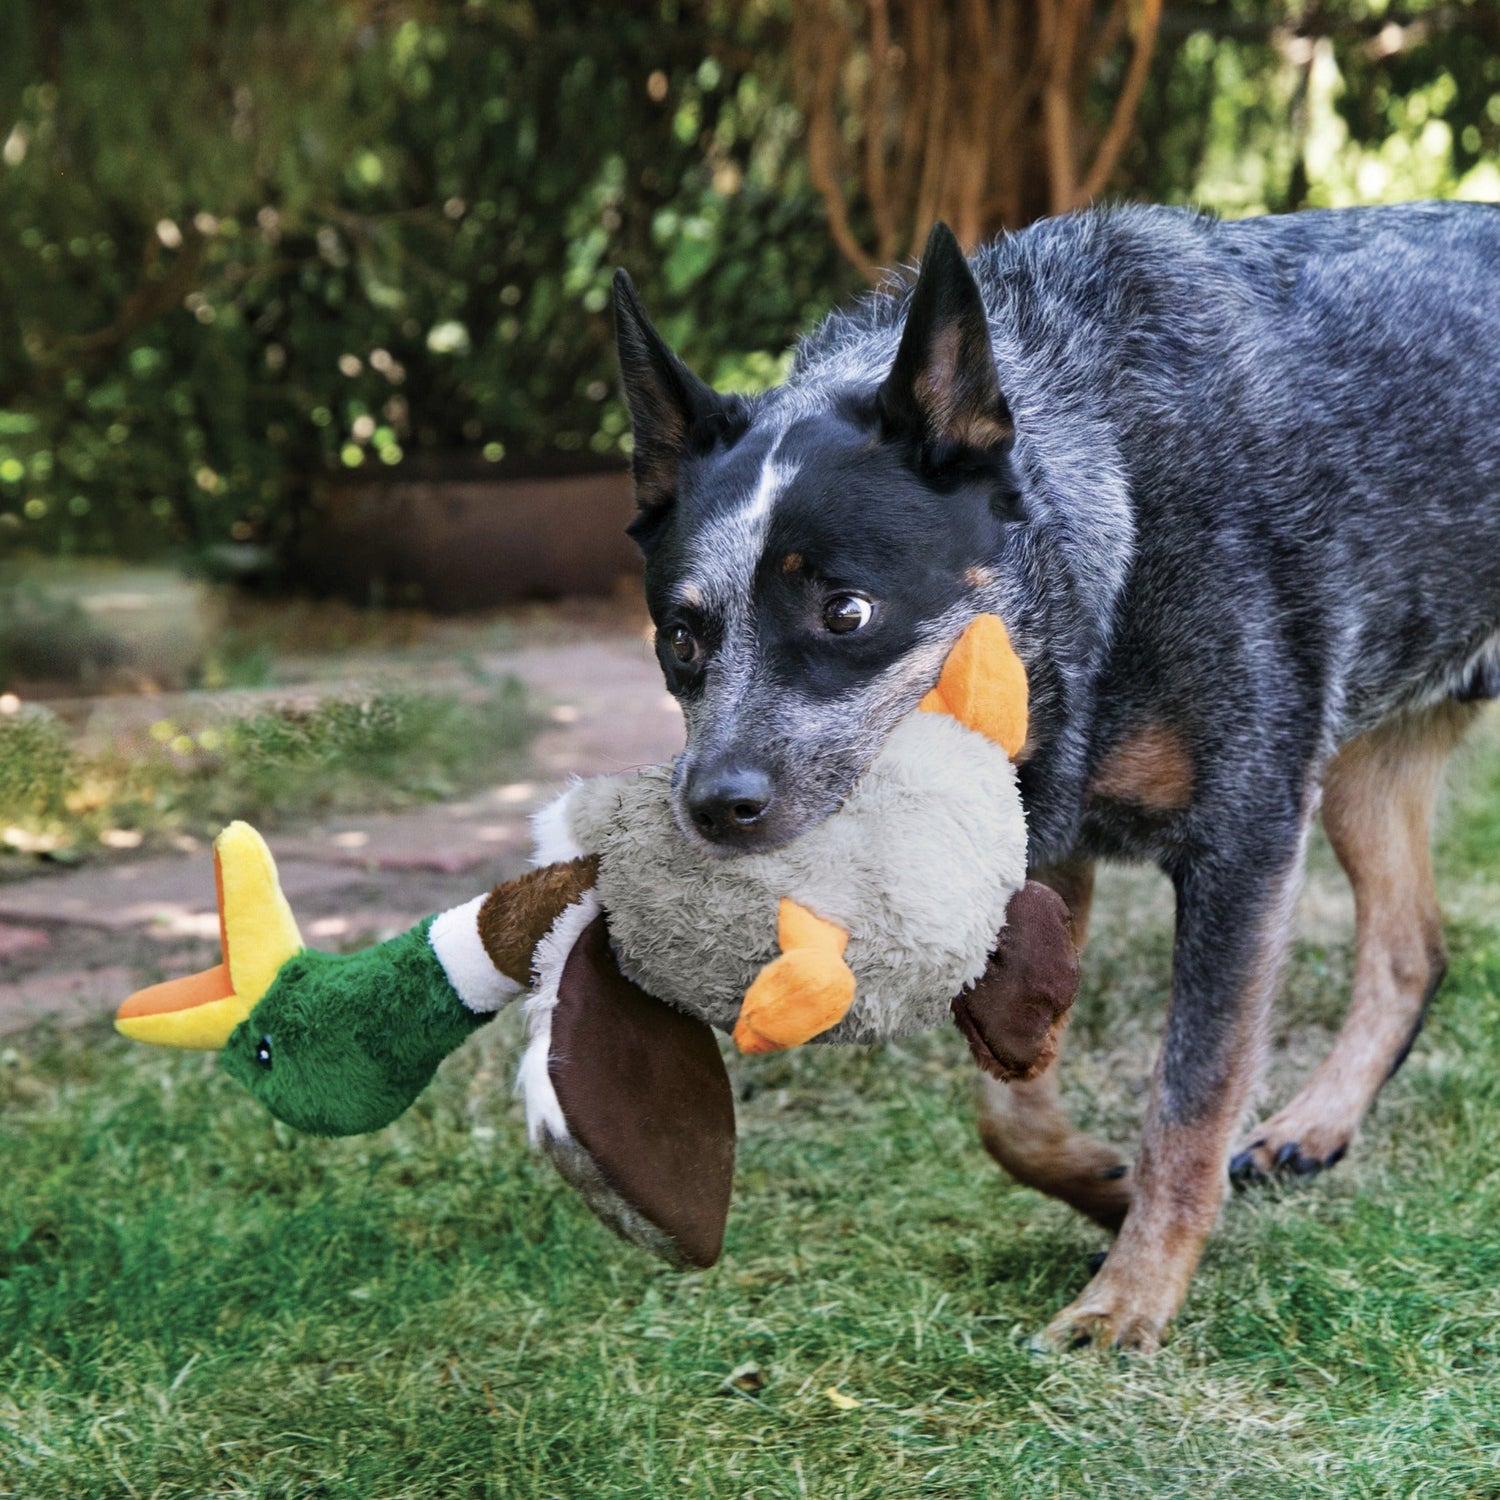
728 802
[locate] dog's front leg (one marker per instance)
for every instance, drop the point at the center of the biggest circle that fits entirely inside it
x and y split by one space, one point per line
1234 913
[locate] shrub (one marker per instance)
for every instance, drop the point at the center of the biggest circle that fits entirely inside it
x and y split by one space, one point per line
241 245
37 769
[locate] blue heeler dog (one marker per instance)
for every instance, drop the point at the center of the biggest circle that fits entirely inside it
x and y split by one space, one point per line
1235 490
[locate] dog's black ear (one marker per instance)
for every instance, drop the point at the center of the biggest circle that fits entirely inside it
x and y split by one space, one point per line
943 392
670 408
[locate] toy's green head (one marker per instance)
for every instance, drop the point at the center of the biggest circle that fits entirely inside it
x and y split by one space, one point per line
343 1045
333 1045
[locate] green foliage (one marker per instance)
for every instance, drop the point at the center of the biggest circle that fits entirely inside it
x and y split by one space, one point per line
244 245
1253 111
381 751
359 753
37 769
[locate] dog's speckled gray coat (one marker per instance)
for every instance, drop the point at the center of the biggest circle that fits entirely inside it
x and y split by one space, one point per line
1251 510
917 866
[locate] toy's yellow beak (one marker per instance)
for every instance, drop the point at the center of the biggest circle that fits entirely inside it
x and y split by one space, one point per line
257 934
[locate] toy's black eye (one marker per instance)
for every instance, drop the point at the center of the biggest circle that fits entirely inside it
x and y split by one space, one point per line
684 644
263 1052
846 613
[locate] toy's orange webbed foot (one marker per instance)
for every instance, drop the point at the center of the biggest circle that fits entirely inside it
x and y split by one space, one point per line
983 685
802 993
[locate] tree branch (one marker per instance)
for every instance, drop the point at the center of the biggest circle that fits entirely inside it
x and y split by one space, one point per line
147 300
822 150
1122 122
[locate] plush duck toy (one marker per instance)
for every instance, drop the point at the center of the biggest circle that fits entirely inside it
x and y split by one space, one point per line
909 902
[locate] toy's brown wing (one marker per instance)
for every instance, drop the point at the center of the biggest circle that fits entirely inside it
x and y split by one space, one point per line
1014 1014
648 1106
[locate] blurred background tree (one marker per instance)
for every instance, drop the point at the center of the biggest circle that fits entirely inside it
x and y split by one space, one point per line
975 113
245 243
248 244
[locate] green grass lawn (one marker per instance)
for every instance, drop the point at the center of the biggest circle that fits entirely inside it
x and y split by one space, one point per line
195 1302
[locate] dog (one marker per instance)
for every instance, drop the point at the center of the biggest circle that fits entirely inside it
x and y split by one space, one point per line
1234 489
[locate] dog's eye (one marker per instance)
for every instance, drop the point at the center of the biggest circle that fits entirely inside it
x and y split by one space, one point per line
683 644
844 613
263 1052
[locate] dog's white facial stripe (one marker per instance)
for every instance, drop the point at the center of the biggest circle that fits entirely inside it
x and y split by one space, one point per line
744 711
727 551
774 478
720 572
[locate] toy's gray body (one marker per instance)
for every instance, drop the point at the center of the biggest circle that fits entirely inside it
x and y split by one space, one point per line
918 866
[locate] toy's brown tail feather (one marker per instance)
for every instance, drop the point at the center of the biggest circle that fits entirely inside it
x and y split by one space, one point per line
517 915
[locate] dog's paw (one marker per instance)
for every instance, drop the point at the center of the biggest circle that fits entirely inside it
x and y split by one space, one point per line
1101 1319
1283 1148
1135 1294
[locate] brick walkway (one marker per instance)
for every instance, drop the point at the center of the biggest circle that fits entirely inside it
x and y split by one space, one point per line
73 945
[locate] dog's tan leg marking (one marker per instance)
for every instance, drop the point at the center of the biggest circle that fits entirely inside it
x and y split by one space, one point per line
1179 1188
1151 767
1024 1126
1180 1176
1378 795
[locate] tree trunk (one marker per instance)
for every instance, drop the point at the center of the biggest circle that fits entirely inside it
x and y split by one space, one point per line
976 112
